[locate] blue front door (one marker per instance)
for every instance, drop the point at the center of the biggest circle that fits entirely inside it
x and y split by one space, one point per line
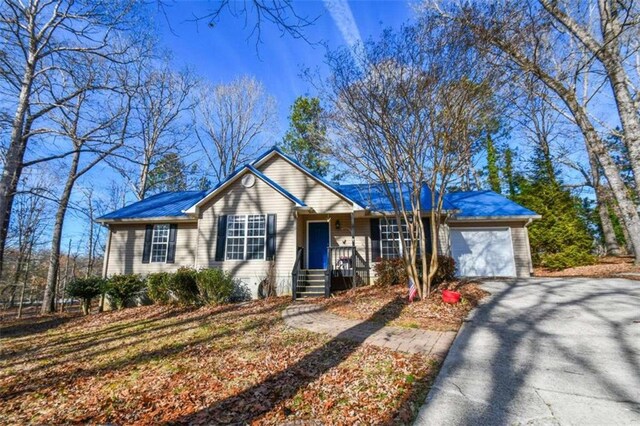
318 242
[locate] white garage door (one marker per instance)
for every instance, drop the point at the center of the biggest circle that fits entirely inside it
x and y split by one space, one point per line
483 252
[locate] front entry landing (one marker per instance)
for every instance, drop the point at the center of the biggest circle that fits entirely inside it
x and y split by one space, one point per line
317 244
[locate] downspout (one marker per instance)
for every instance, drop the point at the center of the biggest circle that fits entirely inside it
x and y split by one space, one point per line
195 255
105 267
107 252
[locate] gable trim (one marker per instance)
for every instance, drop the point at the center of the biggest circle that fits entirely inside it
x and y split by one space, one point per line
273 151
231 179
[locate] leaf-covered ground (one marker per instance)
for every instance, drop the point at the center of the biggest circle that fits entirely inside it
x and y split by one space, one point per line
391 306
228 364
606 267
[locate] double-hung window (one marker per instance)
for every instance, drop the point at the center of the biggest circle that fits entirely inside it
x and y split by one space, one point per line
390 234
160 243
246 237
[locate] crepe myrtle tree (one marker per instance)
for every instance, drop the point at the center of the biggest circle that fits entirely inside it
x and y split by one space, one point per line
409 111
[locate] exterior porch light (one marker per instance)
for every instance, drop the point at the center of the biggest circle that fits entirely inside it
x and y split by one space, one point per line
338 224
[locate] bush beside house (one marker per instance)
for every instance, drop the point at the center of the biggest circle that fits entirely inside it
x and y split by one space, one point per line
393 271
188 286
123 288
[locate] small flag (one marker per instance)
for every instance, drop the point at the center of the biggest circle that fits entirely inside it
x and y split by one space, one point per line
413 290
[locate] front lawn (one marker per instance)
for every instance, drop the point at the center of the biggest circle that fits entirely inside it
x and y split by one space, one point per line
227 364
391 306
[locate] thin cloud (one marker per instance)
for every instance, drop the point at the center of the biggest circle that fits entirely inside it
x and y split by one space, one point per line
343 18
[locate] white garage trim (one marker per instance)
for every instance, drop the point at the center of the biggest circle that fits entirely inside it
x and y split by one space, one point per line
474 260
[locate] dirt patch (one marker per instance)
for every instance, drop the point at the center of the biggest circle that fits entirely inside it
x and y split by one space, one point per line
391 306
607 267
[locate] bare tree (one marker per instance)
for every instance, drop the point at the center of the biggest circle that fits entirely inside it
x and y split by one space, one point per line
38 39
93 209
410 111
610 36
255 13
523 39
96 123
229 121
26 233
160 117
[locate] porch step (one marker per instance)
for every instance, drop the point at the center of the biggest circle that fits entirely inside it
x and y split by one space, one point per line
306 294
311 283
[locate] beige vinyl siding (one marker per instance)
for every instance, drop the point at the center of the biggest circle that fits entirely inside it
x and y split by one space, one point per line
238 200
313 193
127 244
519 239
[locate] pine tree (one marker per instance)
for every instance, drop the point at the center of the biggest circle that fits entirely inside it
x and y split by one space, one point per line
306 138
562 238
168 174
492 166
508 172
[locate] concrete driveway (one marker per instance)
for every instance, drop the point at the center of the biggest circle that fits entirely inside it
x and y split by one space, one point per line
544 352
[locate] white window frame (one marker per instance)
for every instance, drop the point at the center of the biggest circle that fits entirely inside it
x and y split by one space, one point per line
387 222
246 237
156 230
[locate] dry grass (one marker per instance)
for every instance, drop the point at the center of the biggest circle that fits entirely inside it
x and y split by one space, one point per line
382 304
228 364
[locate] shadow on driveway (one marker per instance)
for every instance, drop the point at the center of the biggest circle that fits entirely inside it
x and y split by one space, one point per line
555 351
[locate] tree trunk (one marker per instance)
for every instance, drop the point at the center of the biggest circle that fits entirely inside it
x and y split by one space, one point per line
627 239
24 283
15 154
629 214
9 185
611 57
86 306
611 245
48 301
628 118
66 278
608 233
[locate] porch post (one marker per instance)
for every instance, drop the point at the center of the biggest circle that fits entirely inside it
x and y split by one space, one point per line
353 250
353 229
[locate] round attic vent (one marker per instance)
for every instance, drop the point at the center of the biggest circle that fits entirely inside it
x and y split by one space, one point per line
248 180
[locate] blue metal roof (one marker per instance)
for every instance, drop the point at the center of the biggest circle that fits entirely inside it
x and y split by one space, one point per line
485 204
467 204
374 197
371 196
160 205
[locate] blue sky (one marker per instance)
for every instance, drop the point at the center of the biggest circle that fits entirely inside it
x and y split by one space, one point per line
226 51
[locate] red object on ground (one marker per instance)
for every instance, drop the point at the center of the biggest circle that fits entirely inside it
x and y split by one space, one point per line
449 296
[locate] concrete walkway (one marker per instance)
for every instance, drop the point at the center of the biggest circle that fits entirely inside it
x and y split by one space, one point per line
544 352
314 318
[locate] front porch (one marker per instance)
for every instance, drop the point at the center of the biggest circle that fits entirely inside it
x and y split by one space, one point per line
331 254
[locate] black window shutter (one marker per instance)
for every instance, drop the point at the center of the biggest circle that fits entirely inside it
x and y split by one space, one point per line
222 237
171 251
375 239
146 251
426 223
271 236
